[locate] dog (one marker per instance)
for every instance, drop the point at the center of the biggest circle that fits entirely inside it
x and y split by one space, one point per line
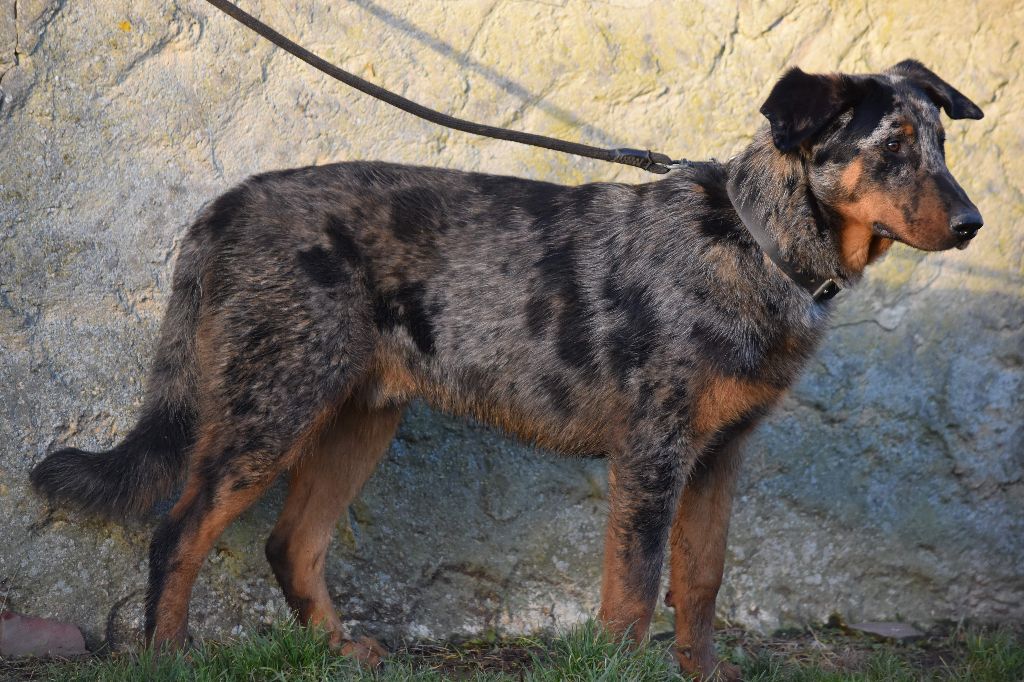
649 324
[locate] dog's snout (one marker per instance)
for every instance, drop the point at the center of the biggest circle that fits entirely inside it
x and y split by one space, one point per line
966 223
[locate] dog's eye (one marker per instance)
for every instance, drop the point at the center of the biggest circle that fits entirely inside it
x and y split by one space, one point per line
893 146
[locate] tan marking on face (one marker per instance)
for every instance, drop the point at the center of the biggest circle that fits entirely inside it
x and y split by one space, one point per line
879 245
724 400
859 246
858 243
931 214
851 176
908 130
854 244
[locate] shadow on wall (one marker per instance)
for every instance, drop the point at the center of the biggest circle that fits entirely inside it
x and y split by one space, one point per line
588 132
1008 281
462 531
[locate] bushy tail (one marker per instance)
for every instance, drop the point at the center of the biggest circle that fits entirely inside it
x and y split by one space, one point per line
148 464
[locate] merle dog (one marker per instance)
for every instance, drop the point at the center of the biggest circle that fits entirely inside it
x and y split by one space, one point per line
643 323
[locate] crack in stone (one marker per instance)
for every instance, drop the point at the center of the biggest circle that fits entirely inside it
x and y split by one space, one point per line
139 59
44 20
728 43
775 23
17 55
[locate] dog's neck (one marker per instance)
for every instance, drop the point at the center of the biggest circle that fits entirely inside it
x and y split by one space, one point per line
774 189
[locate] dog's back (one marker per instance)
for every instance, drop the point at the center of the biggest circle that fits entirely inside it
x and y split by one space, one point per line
548 310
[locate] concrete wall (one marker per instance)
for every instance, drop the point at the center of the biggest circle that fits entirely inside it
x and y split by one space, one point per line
889 484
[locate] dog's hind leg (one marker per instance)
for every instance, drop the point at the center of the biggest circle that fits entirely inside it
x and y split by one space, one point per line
322 485
698 541
270 382
230 470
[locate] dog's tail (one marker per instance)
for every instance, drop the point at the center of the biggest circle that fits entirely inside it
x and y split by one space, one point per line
127 480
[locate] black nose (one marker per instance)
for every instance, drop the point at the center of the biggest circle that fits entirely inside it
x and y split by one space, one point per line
966 223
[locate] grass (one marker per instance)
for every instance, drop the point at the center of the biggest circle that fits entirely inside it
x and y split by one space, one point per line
286 652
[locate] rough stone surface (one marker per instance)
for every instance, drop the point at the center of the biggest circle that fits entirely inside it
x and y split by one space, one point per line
889 484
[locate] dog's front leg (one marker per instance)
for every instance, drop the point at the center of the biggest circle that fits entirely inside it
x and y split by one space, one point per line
698 541
644 483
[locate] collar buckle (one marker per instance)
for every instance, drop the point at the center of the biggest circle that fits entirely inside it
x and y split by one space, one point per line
826 290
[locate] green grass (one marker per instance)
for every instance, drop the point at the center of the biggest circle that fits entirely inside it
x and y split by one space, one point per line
585 654
958 656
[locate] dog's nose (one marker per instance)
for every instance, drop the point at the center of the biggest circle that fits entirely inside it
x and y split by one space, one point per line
966 223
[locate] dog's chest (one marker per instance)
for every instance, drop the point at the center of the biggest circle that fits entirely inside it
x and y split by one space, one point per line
740 367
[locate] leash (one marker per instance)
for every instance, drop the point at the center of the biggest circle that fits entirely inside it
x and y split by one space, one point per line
652 162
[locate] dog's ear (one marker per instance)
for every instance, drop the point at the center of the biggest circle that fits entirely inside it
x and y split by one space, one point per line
802 104
939 91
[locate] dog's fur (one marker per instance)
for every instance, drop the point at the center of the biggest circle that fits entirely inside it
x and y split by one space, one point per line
638 322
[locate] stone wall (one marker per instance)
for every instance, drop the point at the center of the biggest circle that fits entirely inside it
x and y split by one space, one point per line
889 484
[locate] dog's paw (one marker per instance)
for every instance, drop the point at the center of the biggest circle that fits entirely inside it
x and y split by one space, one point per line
706 668
366 650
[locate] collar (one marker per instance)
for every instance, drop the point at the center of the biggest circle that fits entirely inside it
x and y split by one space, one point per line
819 289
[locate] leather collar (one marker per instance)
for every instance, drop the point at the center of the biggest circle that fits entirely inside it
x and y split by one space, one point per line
819 289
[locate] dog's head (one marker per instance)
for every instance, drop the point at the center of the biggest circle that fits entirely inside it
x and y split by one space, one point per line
873 149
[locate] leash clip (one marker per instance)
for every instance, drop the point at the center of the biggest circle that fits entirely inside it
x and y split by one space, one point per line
652 162
677 165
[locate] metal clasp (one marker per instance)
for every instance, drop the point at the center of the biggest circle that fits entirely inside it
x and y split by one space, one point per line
827 290
652 162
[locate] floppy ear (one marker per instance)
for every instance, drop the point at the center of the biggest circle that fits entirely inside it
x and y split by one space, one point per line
802 104
939 91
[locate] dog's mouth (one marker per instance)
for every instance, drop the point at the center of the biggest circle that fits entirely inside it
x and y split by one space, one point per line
883 230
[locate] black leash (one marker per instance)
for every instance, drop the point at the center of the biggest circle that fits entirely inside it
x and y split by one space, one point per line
653 162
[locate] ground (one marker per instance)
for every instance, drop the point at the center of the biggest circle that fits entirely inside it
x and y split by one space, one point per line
829 654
